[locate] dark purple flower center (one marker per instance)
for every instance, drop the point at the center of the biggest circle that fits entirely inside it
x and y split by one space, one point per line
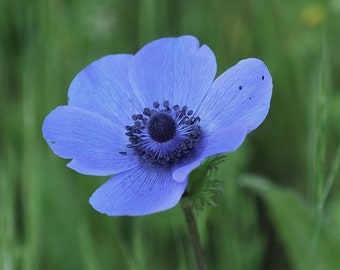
161 127
163 135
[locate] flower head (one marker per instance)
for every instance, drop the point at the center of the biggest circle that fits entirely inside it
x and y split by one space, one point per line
149 119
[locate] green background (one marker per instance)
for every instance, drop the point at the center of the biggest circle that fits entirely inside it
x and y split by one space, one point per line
280 208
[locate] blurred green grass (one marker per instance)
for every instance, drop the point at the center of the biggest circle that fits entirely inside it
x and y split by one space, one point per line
45 220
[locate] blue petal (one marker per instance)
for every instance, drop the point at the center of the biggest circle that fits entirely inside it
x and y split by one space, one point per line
103 87
140 191
173 69
237 103
222 141
96 145
241 95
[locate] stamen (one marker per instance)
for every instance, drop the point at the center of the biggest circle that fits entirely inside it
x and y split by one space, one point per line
163 135
147 111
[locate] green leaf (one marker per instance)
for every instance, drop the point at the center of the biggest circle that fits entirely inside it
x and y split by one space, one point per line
294 223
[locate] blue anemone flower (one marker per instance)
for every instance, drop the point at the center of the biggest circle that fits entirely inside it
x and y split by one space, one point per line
149 119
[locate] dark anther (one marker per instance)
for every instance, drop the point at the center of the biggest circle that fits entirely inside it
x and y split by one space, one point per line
240 87
262 78
155 104
186 119
147 111
122 153
166 104
133 140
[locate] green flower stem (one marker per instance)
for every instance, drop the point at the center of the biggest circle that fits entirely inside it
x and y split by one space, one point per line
194 236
